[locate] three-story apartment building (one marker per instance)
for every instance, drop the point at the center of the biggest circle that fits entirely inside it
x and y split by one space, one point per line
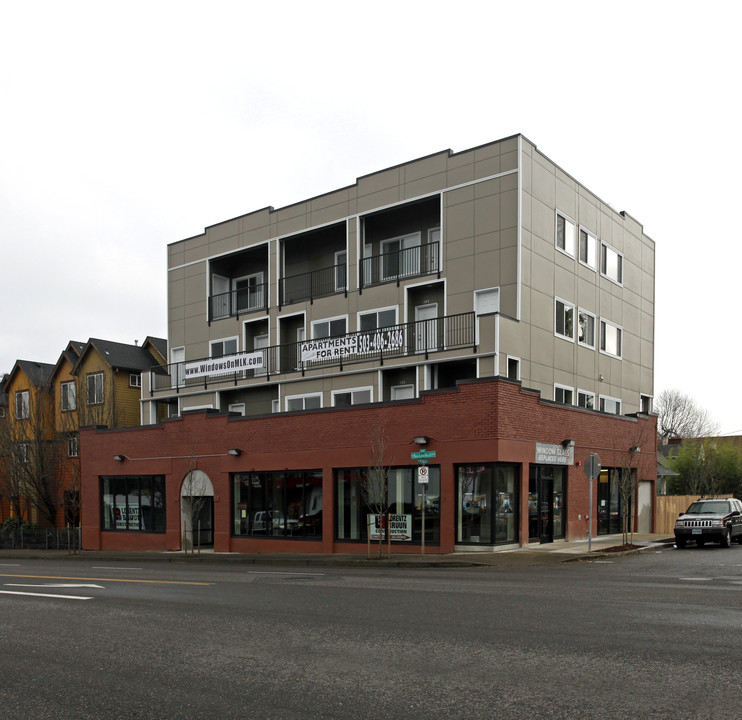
489 267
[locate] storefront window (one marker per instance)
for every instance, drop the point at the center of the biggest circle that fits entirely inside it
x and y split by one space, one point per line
135 503
278 504
610 507
358 502
487 504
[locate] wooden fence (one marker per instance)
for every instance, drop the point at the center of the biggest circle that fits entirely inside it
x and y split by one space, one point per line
668 507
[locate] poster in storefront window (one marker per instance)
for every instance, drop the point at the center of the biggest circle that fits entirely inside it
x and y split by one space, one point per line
400 527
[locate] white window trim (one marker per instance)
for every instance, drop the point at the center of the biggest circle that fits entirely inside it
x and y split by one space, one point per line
567 304
237 408
587 393
25 405
507 365
597 245
329 320
236 338
135 380
418 241
97 374
600 261
338 287
364 388
559 386
376 311
399 387
70 407
302 395
600 338
616 400
575 237
596 328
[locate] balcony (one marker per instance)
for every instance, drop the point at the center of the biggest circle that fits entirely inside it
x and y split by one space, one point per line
313 284
251 297
398 263
450 332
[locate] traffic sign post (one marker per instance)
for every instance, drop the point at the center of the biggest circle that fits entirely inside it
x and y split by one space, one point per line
592 470
423 458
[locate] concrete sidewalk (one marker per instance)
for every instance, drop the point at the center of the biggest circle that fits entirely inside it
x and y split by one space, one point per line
535 554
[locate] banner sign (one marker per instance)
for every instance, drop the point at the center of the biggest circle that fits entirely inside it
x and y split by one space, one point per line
224 365
400 527
346 345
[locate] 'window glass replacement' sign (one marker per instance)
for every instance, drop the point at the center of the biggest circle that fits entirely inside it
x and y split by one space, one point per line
547 454
340 347
400 527
224 365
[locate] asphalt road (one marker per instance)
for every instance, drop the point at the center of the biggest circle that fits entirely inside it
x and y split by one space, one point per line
655 635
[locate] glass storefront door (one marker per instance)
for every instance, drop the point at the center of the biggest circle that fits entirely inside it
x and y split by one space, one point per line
546 484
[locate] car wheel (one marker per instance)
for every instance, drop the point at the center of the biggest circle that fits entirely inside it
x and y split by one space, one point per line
680 543
726 540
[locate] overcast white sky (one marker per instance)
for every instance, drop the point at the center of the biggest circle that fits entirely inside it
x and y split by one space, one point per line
125 126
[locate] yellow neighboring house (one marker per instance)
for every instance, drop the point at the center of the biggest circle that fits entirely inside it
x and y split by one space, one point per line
27 457
109 380
66 425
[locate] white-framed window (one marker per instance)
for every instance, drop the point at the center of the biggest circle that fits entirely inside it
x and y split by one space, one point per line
331 327
68 396
566 232
588 250
135 380
223 347
384 317
611 263
238 408
402 392
23 452
275 406
585 399
341 270
610 338
513 368
72 446
564 316
95 388
586 328
249 292
2 412
564 394
177 366
645 404
354 396
400 256
487 301
610 405
22 405
310 401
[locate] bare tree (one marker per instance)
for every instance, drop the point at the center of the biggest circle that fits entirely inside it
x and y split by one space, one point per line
678 415
193 499
628 479
375 481
29 453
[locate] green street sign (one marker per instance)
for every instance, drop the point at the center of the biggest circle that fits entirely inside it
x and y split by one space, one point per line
423 455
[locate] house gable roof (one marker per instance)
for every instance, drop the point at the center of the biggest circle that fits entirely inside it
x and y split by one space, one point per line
121 356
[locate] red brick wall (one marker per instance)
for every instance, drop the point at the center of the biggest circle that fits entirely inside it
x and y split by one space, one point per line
479 421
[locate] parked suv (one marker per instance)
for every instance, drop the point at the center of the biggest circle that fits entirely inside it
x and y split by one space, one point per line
710 519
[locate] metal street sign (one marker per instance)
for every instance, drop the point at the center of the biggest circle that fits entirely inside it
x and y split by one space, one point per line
422 455
423 474
592 466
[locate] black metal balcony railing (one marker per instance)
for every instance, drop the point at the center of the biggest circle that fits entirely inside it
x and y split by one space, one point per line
422 337
238 302
399 264
314 284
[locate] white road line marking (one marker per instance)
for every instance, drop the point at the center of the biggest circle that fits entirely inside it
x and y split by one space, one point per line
45 595
54 585
279 572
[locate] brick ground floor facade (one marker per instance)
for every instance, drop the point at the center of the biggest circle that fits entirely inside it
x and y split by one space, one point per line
503 468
